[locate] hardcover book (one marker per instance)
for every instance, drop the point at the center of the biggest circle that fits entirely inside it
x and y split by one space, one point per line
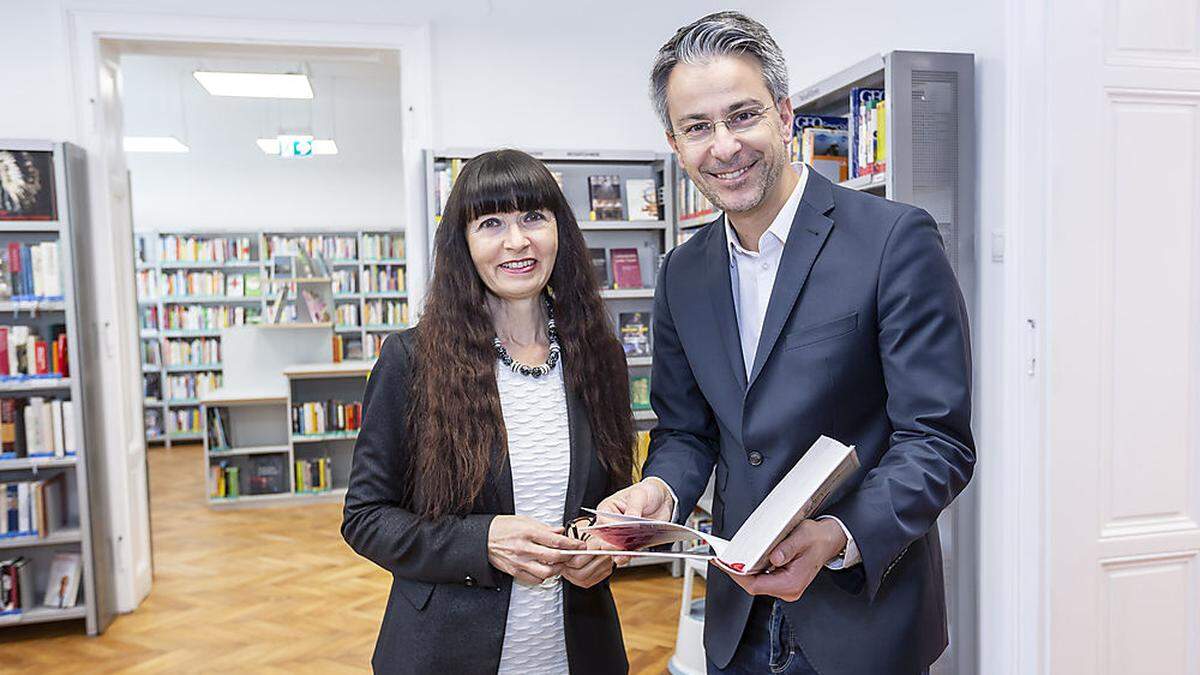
635 333
642 197
626 270
798 495
27 185
62 583
639 392
604 193
599 259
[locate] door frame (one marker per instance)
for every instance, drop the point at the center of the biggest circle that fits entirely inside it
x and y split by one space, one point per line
92 34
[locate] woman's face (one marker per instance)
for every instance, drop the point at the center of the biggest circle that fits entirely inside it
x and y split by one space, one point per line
514 252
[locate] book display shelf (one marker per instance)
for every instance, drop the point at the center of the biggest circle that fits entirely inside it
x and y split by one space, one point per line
908 123
52 527
191 285
283 428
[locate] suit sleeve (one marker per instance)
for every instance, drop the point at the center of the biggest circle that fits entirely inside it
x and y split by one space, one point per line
375 521
926 357
685 441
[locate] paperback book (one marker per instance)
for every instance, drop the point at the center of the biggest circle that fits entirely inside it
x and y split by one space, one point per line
604 193
635 333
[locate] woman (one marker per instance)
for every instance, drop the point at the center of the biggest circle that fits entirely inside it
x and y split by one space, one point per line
486 429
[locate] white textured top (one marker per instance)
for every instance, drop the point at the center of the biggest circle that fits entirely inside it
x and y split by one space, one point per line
539 451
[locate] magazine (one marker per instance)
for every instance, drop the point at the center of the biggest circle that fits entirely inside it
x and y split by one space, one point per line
797 496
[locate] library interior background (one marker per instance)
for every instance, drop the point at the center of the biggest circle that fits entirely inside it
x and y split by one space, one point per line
212 217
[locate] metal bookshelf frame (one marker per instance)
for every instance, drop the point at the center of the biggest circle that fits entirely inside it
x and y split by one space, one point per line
89 537
931 164
261 266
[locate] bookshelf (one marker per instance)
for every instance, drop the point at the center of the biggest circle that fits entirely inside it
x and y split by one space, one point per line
63 307
231 282
262 444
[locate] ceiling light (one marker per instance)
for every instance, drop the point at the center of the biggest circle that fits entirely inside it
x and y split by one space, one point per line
255 85
154 144
320 146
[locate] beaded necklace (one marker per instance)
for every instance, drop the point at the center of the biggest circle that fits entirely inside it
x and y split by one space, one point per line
551 359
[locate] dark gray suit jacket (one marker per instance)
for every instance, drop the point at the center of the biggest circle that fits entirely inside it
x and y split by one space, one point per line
865 340
448 605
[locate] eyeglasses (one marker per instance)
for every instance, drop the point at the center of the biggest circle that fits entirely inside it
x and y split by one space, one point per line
576 528
740 122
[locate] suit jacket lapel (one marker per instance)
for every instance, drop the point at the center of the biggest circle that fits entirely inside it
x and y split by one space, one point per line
809 230
581 456
720 292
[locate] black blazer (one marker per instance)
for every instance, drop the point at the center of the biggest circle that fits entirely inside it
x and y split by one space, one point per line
448 606
864 340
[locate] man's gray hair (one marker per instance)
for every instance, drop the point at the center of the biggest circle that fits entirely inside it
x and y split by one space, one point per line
719 34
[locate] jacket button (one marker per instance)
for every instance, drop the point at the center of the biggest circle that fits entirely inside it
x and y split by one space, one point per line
470 581
755 458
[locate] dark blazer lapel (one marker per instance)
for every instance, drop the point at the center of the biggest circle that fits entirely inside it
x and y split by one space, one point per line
720 292
581 456
809 230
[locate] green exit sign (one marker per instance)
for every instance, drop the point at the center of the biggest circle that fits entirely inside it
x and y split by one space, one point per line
295 146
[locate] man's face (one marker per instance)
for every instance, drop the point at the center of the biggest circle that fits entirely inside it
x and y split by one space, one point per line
734 170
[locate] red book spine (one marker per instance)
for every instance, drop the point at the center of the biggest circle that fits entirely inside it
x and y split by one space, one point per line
60 344
14 268
41 355
4 368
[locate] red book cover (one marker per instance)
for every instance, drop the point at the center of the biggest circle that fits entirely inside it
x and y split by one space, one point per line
627 273
60 345
41 358
4 370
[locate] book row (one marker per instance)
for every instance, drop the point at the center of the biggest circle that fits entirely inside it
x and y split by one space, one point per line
37 427
191 352
351 347
24 353
386 312
262 475
845 147
30 270
383 246
314 475
383 278
173 248
346 315
191 385
151 284
616 267
35 508
331 247
17 592
319 417
207 317
187 421
692 202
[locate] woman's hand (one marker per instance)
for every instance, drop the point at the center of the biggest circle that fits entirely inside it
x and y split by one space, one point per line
524 548
586 571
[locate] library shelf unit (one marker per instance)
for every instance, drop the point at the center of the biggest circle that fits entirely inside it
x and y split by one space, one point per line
368 269
85 531
258 425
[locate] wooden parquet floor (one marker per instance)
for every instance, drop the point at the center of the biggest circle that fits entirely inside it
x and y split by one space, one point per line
271 590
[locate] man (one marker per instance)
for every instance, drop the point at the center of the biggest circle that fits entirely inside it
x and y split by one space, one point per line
807 309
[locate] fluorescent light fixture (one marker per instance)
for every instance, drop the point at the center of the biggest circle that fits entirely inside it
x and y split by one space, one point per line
154 144
320 146
254 85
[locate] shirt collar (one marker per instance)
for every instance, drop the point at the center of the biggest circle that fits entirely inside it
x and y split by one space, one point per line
782 225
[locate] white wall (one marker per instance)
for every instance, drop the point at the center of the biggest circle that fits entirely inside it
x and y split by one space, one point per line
540 73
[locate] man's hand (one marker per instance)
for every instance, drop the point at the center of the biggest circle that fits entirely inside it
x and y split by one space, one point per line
796 560
646 499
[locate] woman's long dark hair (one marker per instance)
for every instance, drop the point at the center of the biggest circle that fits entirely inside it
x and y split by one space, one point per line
456 425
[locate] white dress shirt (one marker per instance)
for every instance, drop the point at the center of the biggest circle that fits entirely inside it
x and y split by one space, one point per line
752 275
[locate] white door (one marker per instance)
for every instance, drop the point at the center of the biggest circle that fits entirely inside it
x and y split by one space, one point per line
1123 337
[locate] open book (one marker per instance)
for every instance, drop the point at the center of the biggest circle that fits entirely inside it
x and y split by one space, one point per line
798 496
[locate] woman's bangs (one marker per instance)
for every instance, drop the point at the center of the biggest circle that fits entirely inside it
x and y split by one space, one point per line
507 188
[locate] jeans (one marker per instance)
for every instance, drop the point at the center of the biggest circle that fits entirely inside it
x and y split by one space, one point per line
768 645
